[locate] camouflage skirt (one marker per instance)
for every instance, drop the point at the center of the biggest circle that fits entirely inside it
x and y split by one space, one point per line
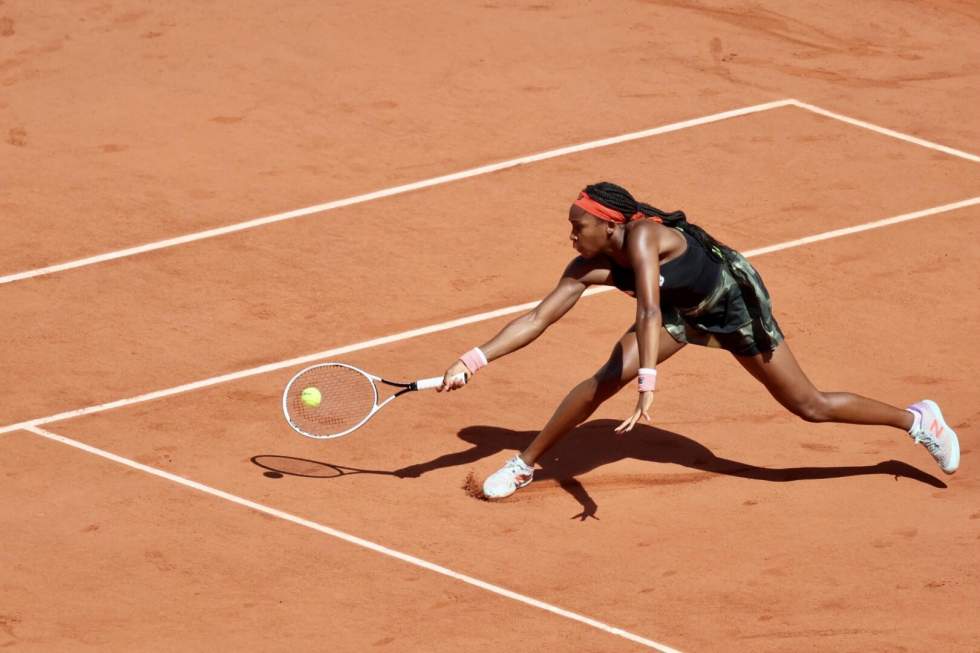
723 319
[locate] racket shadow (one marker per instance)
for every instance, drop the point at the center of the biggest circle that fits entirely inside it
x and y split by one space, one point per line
277 466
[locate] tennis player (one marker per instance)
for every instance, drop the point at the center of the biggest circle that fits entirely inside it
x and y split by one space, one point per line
689 289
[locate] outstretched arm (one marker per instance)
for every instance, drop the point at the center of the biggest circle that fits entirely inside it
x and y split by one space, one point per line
578 276
644 253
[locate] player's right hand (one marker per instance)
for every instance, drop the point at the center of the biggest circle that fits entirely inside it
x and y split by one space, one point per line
449 382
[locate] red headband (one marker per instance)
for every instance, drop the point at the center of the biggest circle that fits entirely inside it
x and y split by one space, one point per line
592 207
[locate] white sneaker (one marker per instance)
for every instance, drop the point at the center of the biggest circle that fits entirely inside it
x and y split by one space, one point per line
508 479
931 430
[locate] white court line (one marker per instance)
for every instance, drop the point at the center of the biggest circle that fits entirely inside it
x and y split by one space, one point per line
473 172
452 324
396 190
877 224
353 539
887 132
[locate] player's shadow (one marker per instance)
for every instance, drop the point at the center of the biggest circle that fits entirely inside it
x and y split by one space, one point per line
594 444
590 446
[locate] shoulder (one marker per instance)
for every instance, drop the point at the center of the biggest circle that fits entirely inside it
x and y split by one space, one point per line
646 237
646 228
590 271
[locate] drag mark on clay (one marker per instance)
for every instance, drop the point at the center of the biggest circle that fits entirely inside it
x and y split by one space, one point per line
817 446
17 137
130 17
7 26
826 632
7 623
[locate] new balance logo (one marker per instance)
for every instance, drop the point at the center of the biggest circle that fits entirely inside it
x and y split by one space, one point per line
936 429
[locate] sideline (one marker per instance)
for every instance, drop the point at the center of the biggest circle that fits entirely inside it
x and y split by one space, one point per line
353 539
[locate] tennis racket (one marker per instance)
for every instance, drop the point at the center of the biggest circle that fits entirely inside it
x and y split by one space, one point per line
339 399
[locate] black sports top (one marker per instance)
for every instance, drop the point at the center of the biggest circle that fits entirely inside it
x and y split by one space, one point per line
684 281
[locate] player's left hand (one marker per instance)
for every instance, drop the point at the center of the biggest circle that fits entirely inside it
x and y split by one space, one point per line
643 404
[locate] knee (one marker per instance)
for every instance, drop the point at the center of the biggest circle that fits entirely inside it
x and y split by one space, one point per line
813 408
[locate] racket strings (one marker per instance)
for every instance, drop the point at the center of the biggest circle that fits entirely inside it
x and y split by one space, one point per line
346 397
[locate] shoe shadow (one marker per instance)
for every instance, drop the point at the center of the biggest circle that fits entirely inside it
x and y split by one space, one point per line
593 445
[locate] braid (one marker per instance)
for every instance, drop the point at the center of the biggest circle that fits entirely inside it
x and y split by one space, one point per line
618 198
613 196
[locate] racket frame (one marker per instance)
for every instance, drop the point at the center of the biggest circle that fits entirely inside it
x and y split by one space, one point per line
420 384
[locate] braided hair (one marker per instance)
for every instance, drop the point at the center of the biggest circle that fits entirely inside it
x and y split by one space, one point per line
618 198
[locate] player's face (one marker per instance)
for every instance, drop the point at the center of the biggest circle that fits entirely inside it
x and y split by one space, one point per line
589 233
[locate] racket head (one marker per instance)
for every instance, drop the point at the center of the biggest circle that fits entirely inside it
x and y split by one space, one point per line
348 399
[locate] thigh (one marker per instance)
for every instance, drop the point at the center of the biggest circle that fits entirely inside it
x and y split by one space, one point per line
624 360
781 375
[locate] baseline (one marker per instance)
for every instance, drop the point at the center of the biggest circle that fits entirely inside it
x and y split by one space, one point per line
388 192
452 324
474 172
353 539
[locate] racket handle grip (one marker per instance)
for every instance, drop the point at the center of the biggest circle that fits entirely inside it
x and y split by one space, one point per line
435 382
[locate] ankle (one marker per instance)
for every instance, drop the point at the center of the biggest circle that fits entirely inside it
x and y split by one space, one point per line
915 421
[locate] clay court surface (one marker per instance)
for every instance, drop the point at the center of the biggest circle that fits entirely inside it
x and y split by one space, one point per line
725 525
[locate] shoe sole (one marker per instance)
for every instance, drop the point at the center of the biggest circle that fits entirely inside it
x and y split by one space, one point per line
954 449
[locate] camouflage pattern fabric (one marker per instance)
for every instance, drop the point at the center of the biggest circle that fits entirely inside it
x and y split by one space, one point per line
723 320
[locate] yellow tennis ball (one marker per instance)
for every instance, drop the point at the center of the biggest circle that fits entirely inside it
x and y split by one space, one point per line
311 397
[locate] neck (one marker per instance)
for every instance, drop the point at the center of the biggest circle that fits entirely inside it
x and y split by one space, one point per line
616 246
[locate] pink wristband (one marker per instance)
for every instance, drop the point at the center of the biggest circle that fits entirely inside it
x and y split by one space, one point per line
474 359
648 379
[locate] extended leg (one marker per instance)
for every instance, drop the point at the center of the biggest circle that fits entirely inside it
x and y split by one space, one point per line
782 376
787 383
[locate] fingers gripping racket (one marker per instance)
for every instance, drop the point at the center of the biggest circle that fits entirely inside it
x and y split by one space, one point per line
333 399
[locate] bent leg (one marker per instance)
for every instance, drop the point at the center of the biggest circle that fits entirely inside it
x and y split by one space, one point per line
582 401
787 383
